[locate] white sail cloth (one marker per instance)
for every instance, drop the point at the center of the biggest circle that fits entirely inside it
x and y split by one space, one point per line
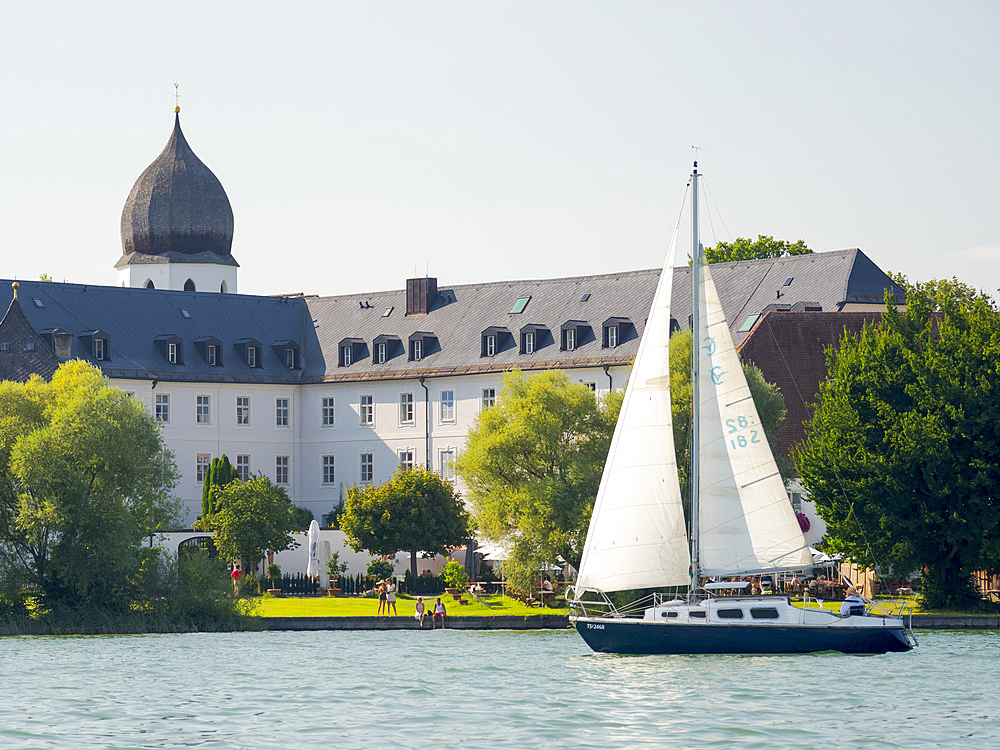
637 536
745 523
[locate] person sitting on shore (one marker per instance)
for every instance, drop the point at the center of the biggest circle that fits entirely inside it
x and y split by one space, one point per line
419 612
853 604
439 611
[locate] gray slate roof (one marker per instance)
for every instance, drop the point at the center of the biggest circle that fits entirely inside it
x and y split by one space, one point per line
23 353
177 211
133 320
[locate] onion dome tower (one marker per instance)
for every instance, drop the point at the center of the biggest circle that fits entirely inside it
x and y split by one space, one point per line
177 225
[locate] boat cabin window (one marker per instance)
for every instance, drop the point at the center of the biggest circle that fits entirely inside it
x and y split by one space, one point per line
730 614
668 614
696 613
764 613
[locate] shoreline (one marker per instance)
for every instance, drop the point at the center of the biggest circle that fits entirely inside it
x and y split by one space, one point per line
553 622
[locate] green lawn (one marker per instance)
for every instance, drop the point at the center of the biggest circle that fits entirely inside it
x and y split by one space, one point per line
357 606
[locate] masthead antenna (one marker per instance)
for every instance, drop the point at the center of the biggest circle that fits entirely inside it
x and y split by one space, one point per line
696 149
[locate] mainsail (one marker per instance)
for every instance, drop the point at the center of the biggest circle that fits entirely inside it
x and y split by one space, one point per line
637 536
746 523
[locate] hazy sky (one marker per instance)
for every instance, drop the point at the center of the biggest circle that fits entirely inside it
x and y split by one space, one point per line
362 142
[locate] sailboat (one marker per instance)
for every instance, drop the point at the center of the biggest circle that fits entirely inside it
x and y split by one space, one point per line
741 521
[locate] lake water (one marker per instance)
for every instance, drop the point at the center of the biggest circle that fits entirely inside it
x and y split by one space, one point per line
476 689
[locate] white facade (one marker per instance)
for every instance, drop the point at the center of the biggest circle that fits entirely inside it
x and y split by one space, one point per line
326 434
205 277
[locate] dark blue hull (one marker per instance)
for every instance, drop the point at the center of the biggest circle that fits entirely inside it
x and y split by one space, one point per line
615 636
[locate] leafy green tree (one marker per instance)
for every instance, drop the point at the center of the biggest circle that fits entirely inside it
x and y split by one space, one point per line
415 510
743 248
220 473
84 478
250 518
901 453
533 464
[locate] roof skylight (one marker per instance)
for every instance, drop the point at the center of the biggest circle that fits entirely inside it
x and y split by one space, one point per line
522 302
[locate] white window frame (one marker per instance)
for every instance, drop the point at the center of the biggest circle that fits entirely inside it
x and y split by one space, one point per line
406 458
290 358
366 410
529 342
570 339
446 461
381 352
328 409
243 466
417 349
252 356
242 411
367 468
161 407
99 349
202 409
172 353
347 355
282 412
202 462
489 397
406 408
447 410
491 345
282 465
211 355
329 470
592 386
612 337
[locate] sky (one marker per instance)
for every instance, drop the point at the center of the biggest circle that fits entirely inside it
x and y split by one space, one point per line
362 144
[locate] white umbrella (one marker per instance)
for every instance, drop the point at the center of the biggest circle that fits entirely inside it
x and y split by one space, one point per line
313 569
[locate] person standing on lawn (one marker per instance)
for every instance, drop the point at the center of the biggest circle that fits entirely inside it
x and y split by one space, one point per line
236 575
382 600
390 596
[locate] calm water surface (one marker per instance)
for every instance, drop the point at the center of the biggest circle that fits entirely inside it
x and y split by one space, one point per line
451 689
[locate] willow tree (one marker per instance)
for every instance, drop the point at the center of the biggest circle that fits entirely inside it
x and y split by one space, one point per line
900 457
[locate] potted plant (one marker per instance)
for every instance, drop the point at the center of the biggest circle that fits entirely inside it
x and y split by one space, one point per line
456 578
273 573
336 569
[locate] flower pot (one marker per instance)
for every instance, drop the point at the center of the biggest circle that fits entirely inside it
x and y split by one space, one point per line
274 592
332 592
453 591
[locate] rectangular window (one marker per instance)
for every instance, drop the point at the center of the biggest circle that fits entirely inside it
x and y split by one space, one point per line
281 469
522 302
290 358
201 464
163 408
796 500
367 410
491 345
367 467
328 475
242 411
570 339
203 410
346 354
612 337
447 459
591 386
529 342
99 349
405 408
172 353
211 355
447 406
252 356
417 349
281 412
243 466
380 353
489 397
327 412
406 459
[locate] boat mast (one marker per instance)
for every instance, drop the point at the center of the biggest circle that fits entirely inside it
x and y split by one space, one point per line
695 397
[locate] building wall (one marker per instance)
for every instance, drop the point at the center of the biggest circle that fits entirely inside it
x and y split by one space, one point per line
207 277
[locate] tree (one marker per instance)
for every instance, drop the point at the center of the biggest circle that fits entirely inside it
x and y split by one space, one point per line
415 510
743 248
533 464
901 453
250 518
84 478
220 473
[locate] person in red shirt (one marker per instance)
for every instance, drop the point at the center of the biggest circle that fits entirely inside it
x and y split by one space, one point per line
236 575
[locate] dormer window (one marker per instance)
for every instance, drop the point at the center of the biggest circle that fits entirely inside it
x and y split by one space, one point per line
533 337
251 351
251 356
528 347
380 352
287 352
350 351
495 340
97 342
171 348
421 345
616 330
290 358
99 350
574 334
212 354
211 349
491 345
385 348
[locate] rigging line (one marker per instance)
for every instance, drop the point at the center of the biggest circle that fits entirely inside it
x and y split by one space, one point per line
836 474
716 206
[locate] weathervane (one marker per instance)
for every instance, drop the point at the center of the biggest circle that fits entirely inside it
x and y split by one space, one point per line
177 97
